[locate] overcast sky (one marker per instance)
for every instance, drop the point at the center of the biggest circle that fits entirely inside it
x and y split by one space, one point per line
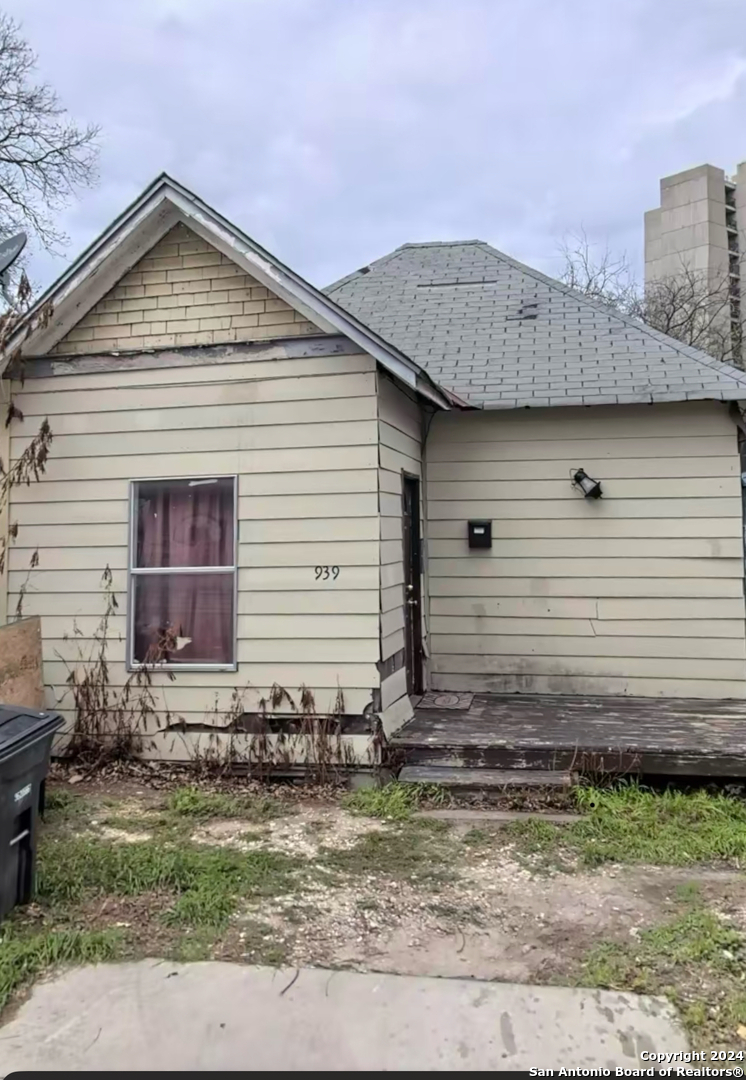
332 131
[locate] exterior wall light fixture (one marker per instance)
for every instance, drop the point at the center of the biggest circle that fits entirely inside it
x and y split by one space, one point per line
591 488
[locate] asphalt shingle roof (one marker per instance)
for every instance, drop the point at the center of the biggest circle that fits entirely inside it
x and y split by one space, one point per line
502 335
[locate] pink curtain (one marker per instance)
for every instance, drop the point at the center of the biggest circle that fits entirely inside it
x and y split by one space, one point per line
184 618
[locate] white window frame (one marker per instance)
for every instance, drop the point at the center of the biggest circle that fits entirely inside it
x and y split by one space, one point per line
134 572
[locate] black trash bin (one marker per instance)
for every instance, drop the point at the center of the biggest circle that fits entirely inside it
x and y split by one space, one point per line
25 747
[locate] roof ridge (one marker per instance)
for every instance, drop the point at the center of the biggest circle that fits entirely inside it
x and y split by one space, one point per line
439 243
689 351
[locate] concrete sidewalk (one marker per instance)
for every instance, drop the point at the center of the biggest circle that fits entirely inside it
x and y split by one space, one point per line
157 1015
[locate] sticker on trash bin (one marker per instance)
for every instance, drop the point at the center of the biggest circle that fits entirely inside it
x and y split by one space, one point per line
21 795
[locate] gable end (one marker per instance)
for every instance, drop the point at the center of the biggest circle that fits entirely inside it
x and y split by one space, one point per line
183 292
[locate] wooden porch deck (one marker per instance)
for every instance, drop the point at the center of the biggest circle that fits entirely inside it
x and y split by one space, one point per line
654 736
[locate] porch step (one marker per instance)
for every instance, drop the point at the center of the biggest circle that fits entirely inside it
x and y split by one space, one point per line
483 778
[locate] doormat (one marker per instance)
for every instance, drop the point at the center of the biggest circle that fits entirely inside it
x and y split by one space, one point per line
434 700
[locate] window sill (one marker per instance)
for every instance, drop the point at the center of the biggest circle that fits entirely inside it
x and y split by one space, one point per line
181 667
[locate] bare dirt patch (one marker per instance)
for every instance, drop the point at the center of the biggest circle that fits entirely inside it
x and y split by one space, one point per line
304 834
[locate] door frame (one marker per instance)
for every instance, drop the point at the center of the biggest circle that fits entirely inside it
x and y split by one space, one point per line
414 654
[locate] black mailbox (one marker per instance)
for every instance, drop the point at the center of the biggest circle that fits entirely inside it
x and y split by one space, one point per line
480 534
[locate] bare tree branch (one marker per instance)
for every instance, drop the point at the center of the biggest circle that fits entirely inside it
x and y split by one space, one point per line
44 155
695 307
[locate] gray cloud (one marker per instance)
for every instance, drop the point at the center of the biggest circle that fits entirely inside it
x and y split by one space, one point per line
334 130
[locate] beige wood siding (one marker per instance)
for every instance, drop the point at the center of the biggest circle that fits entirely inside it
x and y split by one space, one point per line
4 515
640 592
400 450
302 435
183 292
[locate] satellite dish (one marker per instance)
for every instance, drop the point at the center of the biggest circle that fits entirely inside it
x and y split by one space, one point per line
10 249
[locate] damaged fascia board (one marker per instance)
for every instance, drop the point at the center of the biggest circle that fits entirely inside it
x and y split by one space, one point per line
296 292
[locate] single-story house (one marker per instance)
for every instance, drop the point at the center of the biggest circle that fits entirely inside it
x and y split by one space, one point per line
324 502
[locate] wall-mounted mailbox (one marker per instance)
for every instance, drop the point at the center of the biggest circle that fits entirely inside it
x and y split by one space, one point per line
480 534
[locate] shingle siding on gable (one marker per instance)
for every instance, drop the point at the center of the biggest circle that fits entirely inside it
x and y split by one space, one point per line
183 292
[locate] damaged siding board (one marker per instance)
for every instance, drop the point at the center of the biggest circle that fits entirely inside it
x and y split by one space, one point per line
638 593
400 450
304 447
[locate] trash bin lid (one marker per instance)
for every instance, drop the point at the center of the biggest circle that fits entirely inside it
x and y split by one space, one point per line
19 726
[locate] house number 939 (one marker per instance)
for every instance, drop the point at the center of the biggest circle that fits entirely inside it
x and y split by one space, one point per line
324 573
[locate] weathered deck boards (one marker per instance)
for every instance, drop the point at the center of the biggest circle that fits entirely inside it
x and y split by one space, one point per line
685 737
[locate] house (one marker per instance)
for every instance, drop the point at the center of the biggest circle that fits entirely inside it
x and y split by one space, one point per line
282 486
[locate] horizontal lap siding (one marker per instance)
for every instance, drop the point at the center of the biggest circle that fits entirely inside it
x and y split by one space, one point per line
400 450
302 435
640 592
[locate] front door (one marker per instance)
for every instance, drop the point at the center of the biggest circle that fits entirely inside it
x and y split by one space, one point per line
412 584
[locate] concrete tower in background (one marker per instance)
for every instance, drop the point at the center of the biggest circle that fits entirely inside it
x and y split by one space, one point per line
694 244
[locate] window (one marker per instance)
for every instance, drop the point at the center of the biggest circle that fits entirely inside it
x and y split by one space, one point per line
182 600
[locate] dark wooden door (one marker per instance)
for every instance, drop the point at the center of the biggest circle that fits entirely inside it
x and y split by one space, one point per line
412 584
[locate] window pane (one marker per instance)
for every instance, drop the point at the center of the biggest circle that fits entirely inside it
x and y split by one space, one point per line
183 618
184 523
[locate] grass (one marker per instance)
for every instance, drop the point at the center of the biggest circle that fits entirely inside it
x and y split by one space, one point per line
206 883
394 801
696 959
415 853
198 805
629 824
24 956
